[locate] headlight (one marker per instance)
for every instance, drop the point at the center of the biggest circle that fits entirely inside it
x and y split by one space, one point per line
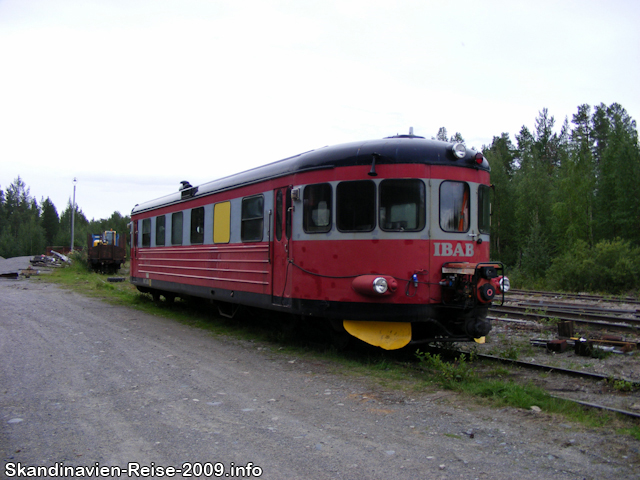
376 286
459 150
380 285
505 284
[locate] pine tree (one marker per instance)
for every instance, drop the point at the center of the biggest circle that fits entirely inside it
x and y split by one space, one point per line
21 233
574 198
50 221
618 170
501 158
442 135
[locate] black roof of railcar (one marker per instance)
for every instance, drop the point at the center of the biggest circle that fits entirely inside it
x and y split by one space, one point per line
399 149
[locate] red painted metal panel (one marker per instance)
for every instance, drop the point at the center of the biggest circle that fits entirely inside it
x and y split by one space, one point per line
243 266
324 270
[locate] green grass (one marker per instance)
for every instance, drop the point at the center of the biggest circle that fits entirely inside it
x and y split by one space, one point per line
406 371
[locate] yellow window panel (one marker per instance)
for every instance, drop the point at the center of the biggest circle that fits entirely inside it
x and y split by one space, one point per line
222 222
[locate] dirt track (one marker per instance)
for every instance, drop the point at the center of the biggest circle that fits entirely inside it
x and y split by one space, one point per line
83 382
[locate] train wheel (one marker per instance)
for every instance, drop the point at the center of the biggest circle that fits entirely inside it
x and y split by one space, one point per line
156 296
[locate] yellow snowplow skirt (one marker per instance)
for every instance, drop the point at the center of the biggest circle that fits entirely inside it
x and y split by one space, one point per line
387 335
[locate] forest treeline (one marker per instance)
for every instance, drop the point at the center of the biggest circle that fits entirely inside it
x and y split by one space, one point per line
566 203
565 206
28 227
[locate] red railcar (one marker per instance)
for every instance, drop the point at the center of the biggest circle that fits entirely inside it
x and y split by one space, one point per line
386 239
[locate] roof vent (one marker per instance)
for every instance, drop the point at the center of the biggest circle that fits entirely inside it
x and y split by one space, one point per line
187 190
410 135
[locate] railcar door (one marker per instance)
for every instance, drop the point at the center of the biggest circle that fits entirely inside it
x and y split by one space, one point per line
281 281
134 249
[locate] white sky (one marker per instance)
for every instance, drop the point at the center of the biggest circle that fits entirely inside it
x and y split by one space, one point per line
133 96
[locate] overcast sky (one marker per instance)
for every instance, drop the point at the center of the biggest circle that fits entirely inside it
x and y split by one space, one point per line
132 96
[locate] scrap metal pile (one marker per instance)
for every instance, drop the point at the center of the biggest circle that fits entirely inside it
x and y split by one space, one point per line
54 260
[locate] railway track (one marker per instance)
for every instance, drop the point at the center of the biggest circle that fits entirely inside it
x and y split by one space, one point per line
577 296
627 320
572 373
593 311
582 375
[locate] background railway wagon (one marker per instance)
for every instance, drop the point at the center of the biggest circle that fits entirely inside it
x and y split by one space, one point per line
311 234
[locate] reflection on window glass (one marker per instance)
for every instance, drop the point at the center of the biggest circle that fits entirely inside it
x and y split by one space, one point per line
176 228
197 225
484 209
454 206
146 232
402 205
317 208
252 218
160 227
356 206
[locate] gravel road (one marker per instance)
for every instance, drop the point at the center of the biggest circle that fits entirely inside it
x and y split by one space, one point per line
86 384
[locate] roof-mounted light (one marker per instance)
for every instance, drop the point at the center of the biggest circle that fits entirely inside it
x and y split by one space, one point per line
479 158
459 150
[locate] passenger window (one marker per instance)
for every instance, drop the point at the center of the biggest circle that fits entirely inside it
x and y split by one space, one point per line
454 206
484 209
222 222
160 229
146 232
176 228
317 208
252 219
402 205
197 225
356 206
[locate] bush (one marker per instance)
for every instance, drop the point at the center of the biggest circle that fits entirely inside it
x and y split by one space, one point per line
610 267
79 259
447 373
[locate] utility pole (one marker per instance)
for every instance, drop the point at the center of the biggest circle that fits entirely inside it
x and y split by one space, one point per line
73 214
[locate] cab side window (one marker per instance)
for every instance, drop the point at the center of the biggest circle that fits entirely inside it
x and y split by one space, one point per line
316 216
484 209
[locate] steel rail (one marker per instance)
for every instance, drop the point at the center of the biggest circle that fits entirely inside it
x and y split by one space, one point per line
549 368
576 307
613 323
563 314
580 296
565 371
573 373
599 407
